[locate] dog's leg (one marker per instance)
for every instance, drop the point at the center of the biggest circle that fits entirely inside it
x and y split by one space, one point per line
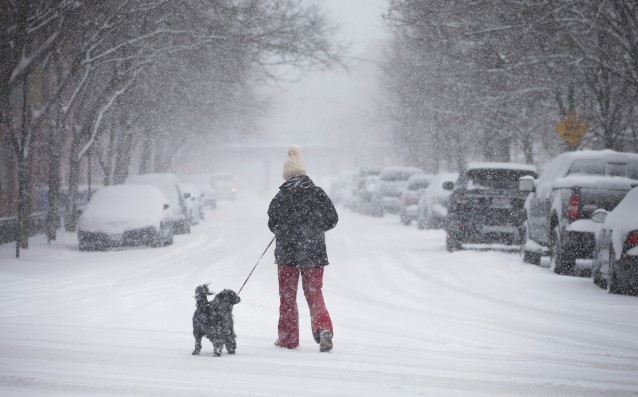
198 343
230 342
231 346
217 347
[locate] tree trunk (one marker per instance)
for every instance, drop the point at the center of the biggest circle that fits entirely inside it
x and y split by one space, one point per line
24 207
147 153
123 156
497 148
55 151
71 212
528 149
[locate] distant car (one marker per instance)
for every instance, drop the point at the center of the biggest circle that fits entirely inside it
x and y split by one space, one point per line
562 200
412 193
392 182
342 189
432 207
125 215
192 199
364 198
486 205
205 185
366 178
615 264
169 185
225 186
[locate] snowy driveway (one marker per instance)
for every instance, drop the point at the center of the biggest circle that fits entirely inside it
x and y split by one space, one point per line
410 319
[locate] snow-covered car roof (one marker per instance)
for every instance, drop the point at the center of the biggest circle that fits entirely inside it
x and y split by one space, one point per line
622 220
560 165
502 166
601 182
605 155
117 208
167 183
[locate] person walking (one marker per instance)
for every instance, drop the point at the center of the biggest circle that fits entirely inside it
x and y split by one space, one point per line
299 215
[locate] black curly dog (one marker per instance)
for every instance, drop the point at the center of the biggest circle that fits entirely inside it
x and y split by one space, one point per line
214 320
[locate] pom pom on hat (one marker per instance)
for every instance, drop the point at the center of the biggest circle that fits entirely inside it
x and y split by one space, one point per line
294 165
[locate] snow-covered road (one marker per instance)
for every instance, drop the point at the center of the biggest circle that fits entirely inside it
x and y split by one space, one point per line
410 319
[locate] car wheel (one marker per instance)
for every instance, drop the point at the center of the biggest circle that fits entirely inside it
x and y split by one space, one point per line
157 241
530 257
452 243
560 263
598 279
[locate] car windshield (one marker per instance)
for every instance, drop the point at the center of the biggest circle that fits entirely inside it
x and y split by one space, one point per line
494 178
604 168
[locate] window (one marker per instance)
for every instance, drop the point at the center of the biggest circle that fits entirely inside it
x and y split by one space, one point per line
587 167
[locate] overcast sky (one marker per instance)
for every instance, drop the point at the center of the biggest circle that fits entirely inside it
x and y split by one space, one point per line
324 105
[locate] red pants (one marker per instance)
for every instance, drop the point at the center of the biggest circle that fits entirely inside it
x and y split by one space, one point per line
312 282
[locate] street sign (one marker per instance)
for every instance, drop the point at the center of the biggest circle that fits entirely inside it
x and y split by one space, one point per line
571 128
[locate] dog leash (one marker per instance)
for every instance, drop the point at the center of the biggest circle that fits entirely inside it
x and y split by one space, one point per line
254 267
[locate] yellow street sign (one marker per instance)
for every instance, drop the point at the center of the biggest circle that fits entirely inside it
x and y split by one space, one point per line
571 128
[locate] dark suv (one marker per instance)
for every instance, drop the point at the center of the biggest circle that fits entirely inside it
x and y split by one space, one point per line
562 200
486 205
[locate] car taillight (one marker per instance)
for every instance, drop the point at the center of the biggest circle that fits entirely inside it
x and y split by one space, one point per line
573 207
630 242
632 239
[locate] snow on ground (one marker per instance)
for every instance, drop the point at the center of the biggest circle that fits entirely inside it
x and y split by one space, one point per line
410 319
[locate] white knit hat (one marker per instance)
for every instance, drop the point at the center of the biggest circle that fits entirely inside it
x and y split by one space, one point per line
294 165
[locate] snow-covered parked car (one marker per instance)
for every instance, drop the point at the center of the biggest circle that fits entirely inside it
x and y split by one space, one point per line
432 207
562 200
205 185
486 205
169 185
392 182
342 189
364 198
125 215
364 180
193 200
615 264
412 193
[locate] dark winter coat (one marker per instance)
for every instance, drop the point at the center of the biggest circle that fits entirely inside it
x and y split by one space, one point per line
299 215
